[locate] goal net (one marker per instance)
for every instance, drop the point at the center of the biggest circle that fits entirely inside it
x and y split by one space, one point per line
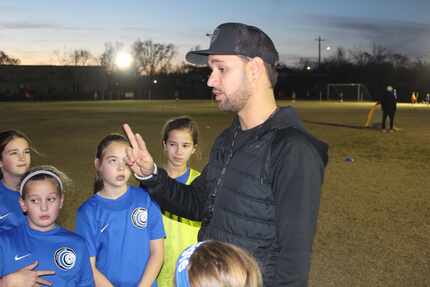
347 92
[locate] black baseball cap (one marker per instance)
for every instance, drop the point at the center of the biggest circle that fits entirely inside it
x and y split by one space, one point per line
237 39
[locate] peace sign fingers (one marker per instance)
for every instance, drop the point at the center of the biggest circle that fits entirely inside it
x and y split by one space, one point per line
138 157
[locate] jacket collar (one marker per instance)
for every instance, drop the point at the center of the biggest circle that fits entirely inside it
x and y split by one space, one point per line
283 117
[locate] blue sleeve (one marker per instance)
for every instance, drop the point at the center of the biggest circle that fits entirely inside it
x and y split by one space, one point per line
2 256
156 227
86 227
86 279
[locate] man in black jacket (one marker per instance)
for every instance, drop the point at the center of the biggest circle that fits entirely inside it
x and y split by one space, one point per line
261 187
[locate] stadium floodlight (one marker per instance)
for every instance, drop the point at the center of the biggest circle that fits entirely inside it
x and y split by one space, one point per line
123 60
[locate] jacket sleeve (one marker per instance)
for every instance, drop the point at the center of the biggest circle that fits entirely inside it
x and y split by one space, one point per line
183 200
298 176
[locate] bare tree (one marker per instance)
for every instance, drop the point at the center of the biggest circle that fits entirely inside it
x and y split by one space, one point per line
107 58
399 60
380 54
305 63
81 57
8 60
340 56
59 58
151 58
360 57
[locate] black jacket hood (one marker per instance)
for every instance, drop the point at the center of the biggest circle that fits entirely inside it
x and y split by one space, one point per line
287 117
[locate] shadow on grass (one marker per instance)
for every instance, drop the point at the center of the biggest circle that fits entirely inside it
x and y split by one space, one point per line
373 127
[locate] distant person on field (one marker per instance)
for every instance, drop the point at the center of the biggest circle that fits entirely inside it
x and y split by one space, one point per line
413 98
217 264
388 105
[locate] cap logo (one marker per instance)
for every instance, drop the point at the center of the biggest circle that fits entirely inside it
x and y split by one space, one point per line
215 35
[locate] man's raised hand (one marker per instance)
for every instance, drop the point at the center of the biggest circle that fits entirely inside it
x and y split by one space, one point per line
138 157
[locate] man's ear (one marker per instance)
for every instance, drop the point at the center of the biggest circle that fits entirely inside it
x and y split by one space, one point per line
256 68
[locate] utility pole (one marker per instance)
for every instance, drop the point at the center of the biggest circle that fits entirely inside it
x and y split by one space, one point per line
319 39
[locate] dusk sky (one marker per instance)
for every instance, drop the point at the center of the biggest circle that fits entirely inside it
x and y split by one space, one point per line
33 30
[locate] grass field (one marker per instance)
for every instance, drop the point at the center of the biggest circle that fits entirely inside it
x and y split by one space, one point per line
374 224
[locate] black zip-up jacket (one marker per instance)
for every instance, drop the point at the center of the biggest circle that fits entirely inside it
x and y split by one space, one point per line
388 102
260 190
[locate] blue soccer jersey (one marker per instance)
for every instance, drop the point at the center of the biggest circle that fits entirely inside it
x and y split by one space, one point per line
118 234
10 212
59 250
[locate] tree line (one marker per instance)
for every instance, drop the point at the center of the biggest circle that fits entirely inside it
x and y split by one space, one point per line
149 57
375 68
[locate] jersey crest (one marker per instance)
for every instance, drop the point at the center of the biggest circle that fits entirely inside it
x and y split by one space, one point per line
139 217
65 258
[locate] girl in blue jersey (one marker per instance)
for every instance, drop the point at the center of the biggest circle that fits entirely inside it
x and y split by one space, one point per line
41 239
179 140
15 158
14 162
122 225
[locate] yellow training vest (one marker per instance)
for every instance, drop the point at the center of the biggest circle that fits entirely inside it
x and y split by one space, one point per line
180 233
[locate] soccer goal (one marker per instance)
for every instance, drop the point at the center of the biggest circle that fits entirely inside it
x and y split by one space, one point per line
347 92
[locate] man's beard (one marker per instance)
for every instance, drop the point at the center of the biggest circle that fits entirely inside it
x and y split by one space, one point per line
236 101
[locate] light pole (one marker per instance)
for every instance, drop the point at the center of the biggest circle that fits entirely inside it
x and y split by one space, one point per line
319 39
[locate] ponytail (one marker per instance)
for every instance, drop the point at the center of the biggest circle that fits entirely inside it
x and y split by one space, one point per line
98 183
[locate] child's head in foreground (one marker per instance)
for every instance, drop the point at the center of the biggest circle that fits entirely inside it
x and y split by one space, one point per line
217 264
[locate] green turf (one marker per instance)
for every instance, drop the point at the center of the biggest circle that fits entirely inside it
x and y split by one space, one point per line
374 225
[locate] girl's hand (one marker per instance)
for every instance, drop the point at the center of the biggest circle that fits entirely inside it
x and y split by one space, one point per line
27 276
138 157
